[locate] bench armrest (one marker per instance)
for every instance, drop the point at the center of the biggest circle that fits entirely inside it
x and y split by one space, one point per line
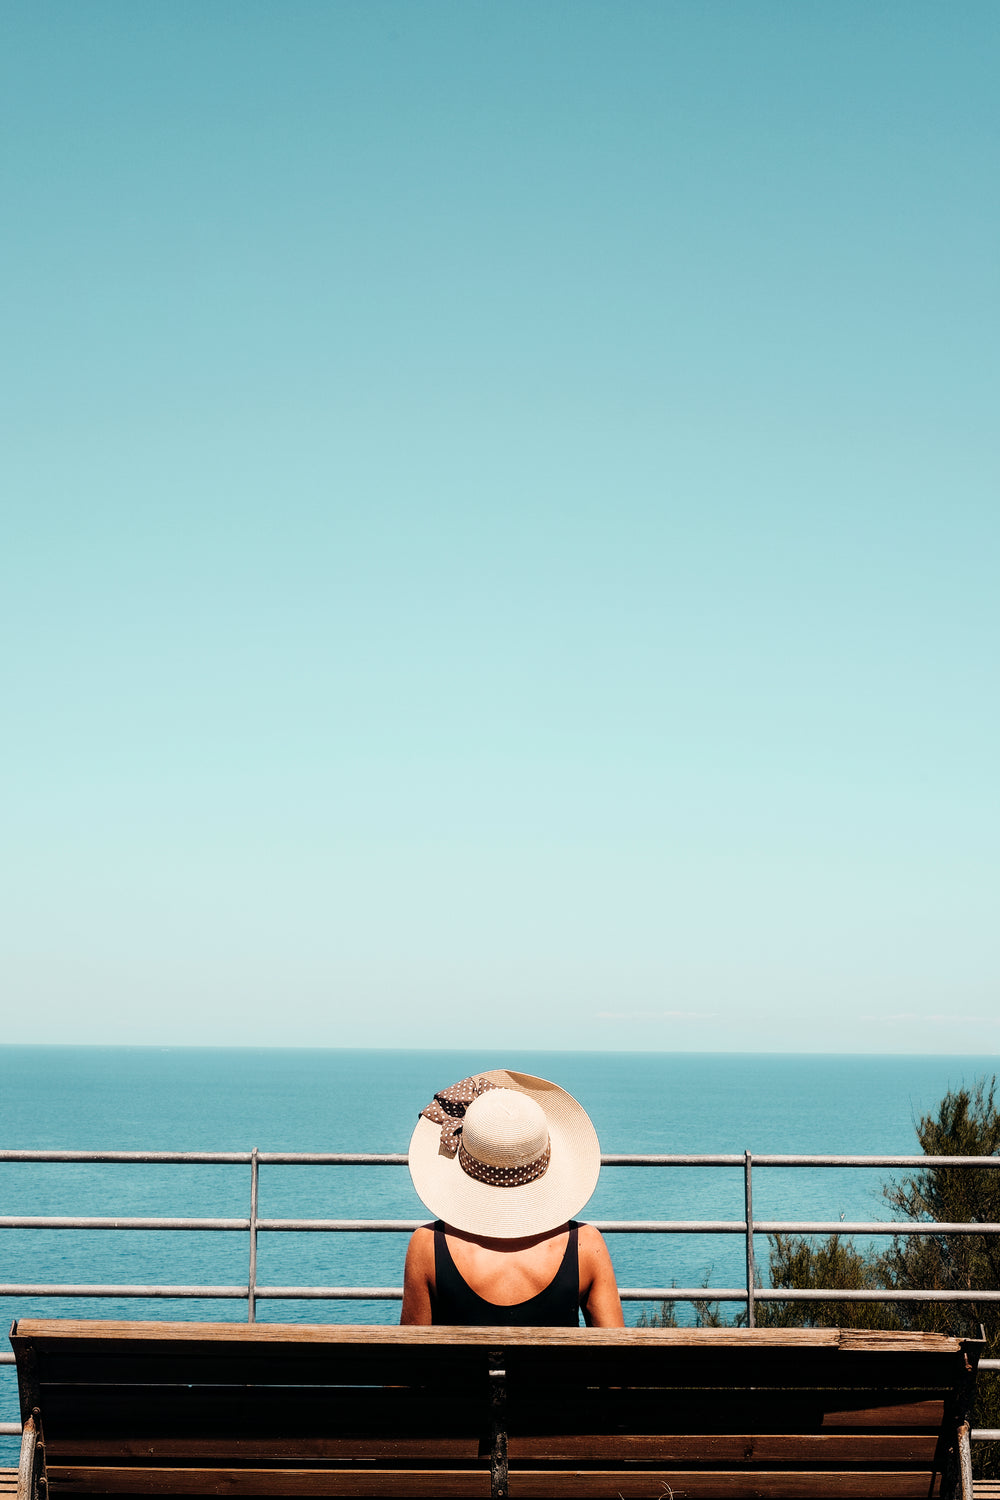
27 1469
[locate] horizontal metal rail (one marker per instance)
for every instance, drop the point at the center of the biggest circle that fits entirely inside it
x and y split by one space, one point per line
102 1289
399 1159
606 1226
389 1293
137 1158
69 1222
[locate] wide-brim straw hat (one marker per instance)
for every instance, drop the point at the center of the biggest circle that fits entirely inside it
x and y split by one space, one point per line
504 1155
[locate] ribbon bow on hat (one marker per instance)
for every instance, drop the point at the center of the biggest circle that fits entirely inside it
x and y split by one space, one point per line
447 1109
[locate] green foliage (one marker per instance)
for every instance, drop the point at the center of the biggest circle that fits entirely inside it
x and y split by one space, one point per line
967 1123
836 1264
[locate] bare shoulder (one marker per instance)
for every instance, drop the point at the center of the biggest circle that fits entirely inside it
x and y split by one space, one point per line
418 1277
592 1244
420 1251
599 1297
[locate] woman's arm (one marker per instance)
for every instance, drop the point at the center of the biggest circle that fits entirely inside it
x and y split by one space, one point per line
602 1306
418 1278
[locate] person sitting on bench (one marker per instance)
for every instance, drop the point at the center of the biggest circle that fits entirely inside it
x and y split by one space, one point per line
504 1160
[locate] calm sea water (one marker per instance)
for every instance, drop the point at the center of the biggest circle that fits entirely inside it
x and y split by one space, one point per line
215 1099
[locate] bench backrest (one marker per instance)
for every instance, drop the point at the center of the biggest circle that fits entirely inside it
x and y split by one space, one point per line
325 1410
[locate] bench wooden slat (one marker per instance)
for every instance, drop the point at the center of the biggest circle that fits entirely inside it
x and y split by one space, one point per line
753 1368
584 1367
291 1482
700 1485
133 1334
166 1410
192 1338
152 1410
721 1410
238 1368
542 1484
704 1485
858 1449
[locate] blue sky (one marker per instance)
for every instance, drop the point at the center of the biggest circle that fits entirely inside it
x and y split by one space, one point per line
502 531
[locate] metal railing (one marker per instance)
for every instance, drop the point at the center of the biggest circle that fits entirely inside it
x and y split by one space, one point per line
251 1292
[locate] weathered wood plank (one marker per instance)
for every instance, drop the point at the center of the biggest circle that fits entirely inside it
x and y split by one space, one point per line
542 1369
297 1334
918 1413
705 1485
530 1484
195 1452
243 1411
732 1448
261 1482
150 1412
822 1450
747 1368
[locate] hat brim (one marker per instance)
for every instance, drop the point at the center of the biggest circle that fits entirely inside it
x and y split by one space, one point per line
507 1213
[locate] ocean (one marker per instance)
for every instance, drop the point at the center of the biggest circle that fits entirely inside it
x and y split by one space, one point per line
232 1099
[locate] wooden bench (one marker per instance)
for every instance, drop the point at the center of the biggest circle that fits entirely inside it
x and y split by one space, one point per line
314 1410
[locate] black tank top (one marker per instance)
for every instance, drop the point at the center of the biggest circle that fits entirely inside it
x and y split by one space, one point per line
556 1306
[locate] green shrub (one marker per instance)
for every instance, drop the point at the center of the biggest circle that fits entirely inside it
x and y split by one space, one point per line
967 1123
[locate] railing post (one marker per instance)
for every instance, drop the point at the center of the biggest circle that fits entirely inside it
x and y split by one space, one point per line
252 1275
751 1267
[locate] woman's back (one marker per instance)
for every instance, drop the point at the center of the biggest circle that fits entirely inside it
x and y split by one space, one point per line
540 1298
455 1277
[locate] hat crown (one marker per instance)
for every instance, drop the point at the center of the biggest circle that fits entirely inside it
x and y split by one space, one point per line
505 1128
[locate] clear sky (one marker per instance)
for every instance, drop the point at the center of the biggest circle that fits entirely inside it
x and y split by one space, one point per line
501 523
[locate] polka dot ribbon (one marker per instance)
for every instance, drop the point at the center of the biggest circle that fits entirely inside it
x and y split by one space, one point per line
504 1176
447 1109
